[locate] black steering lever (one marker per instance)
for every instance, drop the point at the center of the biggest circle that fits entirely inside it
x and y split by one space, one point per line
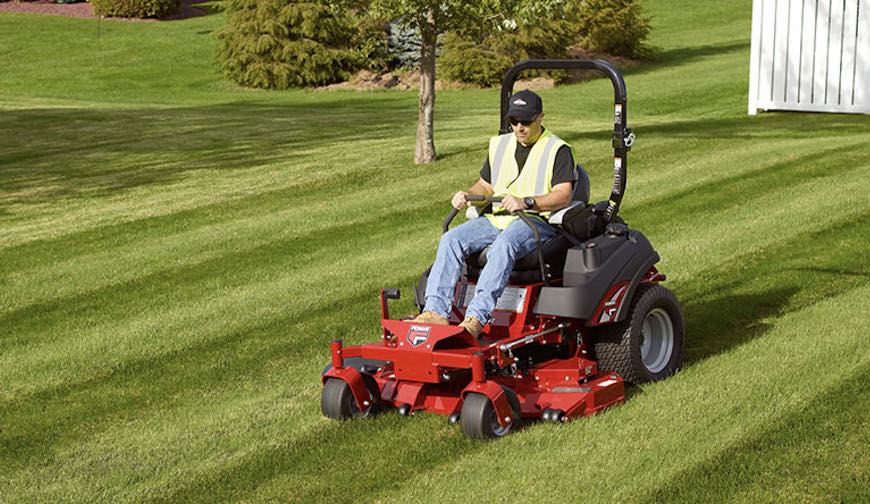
519 213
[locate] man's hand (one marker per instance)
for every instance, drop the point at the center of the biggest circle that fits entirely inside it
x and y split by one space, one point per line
512 203
458 201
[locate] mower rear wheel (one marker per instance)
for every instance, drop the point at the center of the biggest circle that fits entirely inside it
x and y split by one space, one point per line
648 345
478 417
336 401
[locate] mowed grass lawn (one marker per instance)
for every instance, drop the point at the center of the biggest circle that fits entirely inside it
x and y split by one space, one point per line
176 253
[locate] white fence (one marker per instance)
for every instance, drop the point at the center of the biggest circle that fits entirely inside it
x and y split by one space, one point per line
811 55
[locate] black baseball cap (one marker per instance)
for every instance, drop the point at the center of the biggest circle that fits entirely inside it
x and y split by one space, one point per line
525 105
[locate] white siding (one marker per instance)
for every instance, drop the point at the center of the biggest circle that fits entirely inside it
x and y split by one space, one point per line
793 53
861 89
810 55
780 49
850 39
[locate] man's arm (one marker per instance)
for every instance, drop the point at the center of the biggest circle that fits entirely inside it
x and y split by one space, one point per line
481 187
558 198
564 178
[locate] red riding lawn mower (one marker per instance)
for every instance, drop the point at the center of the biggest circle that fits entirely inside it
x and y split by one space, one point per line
582 313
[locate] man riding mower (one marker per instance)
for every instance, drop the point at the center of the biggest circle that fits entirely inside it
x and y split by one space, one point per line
523 315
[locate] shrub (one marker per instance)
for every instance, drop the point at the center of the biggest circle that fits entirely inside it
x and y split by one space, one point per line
370 47
135 8
477 63
616 27
404 44
282 43
483 58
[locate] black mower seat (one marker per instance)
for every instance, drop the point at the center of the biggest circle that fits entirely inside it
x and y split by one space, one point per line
527 269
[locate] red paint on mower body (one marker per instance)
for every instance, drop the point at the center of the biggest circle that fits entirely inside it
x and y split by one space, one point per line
433 368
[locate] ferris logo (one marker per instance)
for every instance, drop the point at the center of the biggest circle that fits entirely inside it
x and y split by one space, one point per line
611 307
417 335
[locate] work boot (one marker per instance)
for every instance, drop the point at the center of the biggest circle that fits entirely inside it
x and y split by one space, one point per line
472 325
430 317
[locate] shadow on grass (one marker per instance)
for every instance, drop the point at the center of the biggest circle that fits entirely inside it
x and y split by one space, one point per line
685 55
448 154
97 151
129 388
725 317
726 322
804 455
837 271
62 416
743 188
772 125
132 232
194 9
728 319
737 303
120 301
784 125
662 59
732 307
364 457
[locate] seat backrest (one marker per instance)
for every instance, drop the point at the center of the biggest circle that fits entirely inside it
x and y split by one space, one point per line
581 186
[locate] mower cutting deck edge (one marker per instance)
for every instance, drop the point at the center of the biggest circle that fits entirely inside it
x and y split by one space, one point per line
582 312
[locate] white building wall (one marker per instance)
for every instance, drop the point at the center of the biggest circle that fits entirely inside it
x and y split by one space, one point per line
811 55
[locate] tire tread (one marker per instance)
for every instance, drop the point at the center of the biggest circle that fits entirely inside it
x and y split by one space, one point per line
612 344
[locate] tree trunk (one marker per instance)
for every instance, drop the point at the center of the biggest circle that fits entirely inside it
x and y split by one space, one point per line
425 149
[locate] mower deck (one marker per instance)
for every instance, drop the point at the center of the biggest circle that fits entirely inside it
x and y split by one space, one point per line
432 368
555 385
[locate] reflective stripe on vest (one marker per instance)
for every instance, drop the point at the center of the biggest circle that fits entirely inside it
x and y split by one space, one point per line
535 177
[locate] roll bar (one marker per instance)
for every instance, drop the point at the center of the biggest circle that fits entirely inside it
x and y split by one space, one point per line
623 137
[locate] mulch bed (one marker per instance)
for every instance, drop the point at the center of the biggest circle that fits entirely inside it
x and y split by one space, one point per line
84 10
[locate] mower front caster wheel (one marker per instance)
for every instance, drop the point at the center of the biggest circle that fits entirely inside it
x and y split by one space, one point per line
478 417
336 401
553 415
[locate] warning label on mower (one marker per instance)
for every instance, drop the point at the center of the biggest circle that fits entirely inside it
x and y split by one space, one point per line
512 299
418 334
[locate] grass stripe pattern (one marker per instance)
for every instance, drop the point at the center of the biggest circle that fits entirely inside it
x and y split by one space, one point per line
176 254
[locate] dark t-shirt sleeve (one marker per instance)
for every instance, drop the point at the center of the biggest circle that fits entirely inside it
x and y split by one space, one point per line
563 171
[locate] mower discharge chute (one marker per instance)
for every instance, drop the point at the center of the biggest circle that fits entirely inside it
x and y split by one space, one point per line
581 314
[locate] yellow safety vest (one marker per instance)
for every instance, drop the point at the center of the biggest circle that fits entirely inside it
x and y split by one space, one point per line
535 177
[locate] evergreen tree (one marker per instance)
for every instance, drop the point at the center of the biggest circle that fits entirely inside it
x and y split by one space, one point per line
281 43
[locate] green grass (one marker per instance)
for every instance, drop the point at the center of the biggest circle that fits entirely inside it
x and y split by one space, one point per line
176 253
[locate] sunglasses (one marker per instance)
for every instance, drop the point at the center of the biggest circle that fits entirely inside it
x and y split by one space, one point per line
514 121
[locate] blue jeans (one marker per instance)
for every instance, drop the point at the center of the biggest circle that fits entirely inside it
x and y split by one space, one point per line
513 243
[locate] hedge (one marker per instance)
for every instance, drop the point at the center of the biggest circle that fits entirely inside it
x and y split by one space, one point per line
278 44
135 8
